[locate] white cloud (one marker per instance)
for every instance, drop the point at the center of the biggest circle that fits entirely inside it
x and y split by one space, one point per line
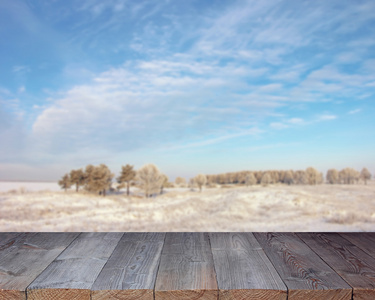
354 111
278 125
295 121
149 102
326 117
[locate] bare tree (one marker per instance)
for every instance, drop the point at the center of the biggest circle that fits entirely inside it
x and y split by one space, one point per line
180 181
200 181
365 175
77 177
332 176
64 182
98 179
150 179
126 176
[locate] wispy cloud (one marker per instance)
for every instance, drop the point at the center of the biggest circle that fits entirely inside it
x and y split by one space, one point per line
326 117
278 125
215 140
354 111
21 69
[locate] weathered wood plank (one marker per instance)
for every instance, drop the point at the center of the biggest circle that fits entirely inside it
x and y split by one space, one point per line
7 239
25 256
243 270
71 275
365 241
130 272
353 264
186 269
305 274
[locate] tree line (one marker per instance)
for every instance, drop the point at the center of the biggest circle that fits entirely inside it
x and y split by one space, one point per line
99 179
309 176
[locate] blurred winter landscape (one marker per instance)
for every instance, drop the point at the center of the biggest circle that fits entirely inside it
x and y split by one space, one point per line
43 206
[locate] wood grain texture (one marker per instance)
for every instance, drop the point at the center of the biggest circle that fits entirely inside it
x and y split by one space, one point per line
353 264
243 270
7 239
24 257
305 274
130 272
71 275
365 241
186 269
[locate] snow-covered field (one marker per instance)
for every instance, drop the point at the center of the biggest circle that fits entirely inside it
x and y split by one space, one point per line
272 208
27 186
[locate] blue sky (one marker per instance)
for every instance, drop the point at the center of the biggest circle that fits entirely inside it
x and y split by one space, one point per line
192 86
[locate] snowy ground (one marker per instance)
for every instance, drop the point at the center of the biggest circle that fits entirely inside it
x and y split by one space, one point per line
257 208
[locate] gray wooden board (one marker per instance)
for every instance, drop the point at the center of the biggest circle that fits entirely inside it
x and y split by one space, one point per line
243 270
305 274
365 241
186 269
353 264
7 239
72 274
25 257
130 272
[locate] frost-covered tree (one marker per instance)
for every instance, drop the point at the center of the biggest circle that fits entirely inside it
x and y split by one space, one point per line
332 176
349 176
300 177
150 179
266 179
191 183
164 182
312 175
180 181
88 172
77 177
250 179
126 176
200 180
64 182
288 178
365 175
98 179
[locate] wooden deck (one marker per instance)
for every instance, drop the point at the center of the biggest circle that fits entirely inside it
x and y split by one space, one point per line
74 266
